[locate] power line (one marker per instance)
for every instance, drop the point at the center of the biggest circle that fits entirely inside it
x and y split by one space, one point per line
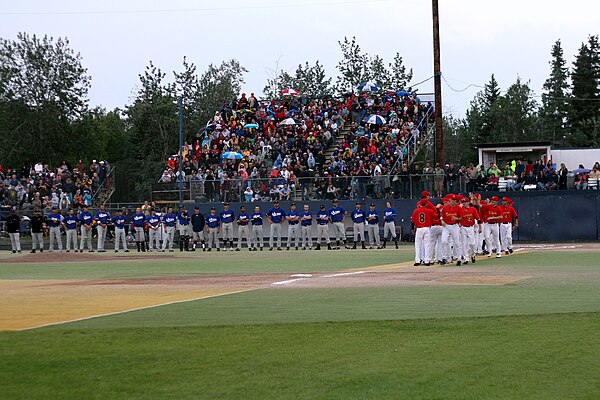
461 90
257 7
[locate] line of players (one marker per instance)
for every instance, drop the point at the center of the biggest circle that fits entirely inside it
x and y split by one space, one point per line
155 232
458 227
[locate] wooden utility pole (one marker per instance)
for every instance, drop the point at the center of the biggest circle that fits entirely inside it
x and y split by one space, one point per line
437 72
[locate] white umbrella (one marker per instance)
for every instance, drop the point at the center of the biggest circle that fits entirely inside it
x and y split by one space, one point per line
289 121
375 119
290 92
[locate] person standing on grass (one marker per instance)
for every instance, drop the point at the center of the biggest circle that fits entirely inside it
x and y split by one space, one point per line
227 216
85 227
70 225
138 221
37 231
306 219
358 218
243 219
323 227
337 216
257 229
421 221
389 224
168 221
184 229
275 216
119 221
54 221
13 227
293 219
198 224
213 222
372 218
102 217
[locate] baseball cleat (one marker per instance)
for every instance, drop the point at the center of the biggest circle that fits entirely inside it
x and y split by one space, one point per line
506 252
458 263
510 251
416 264
498 256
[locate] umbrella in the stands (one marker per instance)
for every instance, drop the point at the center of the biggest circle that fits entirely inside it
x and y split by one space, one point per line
581 170
289 121
231 155
403 93
289 92
253 126
210 128
368 87
375 119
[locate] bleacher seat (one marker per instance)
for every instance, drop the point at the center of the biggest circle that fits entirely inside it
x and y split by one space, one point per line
593 183
502 184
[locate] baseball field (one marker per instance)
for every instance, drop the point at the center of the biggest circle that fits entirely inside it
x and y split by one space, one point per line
300 324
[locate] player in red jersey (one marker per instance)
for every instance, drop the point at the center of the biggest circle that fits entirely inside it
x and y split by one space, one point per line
494 218
435 236
469 225
421 221
506 227
451 216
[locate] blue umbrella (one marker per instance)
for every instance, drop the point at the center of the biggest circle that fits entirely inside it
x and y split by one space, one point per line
403 93
368 87
253 126
231 155
375 119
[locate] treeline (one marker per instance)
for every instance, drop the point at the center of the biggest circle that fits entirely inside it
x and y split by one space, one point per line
45 114
566 114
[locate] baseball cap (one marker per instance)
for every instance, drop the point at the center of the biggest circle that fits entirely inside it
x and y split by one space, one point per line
275 202
477 195
225 204
334 201
505 199
213 208
450 196
321 206
494 198
425 193
371 205
293 204
358 203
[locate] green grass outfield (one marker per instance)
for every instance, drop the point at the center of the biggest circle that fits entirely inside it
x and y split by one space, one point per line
536 338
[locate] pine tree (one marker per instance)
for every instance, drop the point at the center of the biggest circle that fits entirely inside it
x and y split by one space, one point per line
586 94
555 99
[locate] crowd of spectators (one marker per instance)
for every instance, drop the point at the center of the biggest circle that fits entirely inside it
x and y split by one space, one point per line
39 186
282 146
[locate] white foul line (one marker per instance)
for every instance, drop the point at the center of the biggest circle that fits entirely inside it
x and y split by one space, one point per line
344 274
133 309
288 281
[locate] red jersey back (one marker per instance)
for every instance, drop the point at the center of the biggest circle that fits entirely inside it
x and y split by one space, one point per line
437 221
423 217
508 213
470 215
449 211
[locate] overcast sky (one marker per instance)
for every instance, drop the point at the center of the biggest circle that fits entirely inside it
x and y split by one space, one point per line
116 39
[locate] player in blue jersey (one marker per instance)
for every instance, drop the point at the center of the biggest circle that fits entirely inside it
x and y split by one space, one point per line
306 220
358 216
54 222
276 216
119 221
337 216
168 221
70 225
389 224
185 229
293 219
138 222
257 229
86 221
373 227
323 221
102 218
227 217
213 223
243 221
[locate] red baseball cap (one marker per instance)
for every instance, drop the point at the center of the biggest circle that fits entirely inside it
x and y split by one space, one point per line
450 196
494 198
425 194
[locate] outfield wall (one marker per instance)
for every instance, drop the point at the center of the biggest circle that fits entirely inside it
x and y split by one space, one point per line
561 216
